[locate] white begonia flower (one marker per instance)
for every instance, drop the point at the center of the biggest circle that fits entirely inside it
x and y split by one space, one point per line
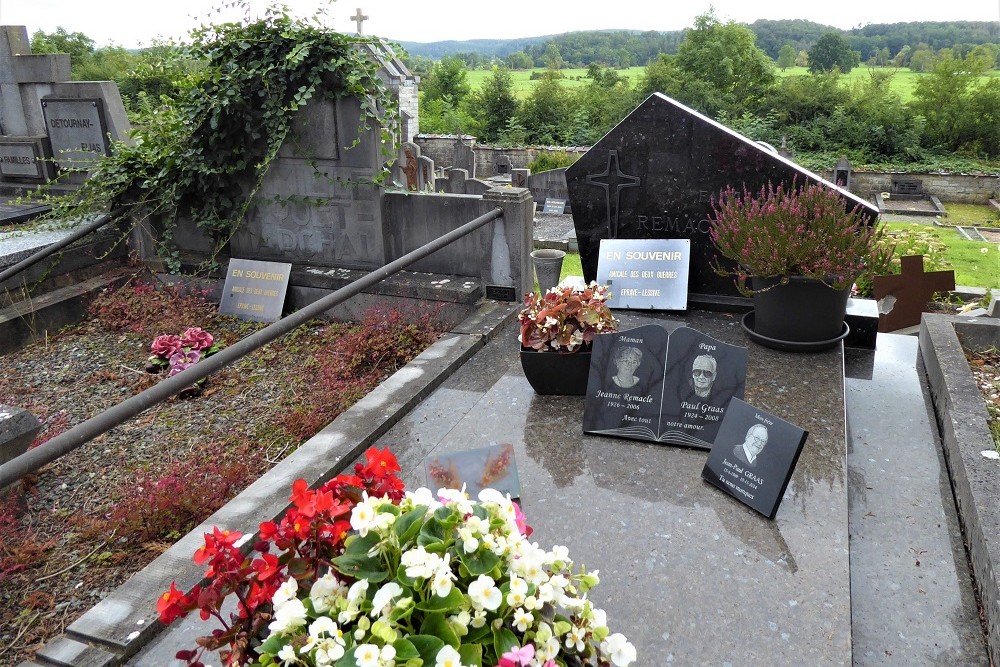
522 620
547 650
285 592
382 602
419 563
288 617
367 655
531 603
424 496
478 618
600 619
477 525
456 500
325 591
442 583
468 539
492 496
620 649
531 566
484 594
546 592
324 625
387 656
365 514
329 651
462 618
518 591
357 590
558 553
576 638
448 657
287 655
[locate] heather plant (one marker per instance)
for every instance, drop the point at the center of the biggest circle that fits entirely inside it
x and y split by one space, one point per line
794 230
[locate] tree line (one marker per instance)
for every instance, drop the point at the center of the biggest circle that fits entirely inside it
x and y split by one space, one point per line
718 69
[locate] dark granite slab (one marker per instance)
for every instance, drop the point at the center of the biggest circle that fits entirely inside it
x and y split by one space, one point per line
12 214
654 176
688 573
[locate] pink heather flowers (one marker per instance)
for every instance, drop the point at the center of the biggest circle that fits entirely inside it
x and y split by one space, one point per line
791 230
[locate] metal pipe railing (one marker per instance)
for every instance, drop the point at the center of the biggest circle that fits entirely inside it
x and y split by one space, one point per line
82 433
48 250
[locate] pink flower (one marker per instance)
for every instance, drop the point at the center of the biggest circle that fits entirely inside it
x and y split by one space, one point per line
181 361
164 346
517 657
197 339
521 521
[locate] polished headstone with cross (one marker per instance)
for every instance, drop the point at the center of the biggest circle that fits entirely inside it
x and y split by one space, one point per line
654 176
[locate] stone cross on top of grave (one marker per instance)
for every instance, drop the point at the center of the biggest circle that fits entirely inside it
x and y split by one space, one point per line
359 18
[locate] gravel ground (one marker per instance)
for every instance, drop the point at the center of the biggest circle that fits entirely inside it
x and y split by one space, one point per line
64 553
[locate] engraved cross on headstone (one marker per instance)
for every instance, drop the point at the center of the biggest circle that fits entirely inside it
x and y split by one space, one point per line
613 181
359 18
902 298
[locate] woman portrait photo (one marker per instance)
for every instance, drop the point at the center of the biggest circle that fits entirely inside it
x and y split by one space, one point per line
627 360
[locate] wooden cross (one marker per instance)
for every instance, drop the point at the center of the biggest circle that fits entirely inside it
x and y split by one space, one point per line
359 18
902 298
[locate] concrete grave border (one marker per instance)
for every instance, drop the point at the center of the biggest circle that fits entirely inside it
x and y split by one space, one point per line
962 423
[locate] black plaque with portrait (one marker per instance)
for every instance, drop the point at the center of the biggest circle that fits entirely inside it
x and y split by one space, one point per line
648 384
753 457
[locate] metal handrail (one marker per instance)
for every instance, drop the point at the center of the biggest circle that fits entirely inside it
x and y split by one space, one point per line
86 431
78 233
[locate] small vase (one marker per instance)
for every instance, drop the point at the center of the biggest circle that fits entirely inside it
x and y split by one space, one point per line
804 311
552 373
548 267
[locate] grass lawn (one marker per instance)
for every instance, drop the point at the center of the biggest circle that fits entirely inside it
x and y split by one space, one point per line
973 267
904 82
971 215
976 264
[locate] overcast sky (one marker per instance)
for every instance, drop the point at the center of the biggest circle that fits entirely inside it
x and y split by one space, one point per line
131 23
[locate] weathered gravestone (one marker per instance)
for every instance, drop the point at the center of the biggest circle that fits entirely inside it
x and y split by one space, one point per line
17 430
654 176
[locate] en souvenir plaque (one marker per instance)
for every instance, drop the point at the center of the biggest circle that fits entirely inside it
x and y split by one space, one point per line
675 388
645 275
255 290
753 457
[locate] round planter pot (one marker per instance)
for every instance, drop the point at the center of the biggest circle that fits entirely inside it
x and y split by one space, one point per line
551 373
803 311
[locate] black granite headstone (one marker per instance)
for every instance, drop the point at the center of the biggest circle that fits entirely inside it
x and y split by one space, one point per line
648 384
753 457
654 177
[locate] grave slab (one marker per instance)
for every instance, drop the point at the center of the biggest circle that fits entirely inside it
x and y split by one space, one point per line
18 428
906 544
676 556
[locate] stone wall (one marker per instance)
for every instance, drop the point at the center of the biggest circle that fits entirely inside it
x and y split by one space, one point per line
946 187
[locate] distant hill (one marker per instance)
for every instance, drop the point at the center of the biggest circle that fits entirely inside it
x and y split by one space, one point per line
626 48
491 48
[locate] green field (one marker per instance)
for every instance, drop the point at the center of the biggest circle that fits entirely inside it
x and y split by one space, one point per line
976 264
904 81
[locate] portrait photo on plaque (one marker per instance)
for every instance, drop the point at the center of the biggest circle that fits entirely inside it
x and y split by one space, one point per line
753 457
672 387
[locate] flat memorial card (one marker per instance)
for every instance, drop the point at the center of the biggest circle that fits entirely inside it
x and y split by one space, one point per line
490 467
645 274
754 456
255 290
648 384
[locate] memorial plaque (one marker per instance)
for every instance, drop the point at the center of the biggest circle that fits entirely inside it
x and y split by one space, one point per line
753 457
645 275
77 130
654 176
255 290
20 159
648 384
553 205
491 467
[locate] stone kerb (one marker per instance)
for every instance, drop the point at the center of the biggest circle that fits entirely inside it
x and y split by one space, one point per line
968 446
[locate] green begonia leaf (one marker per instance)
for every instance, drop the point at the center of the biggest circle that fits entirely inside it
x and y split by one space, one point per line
408 525
405 650
480 561
436 625
434 603
472 654
427 645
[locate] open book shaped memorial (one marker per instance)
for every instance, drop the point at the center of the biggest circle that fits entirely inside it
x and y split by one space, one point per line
672 387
